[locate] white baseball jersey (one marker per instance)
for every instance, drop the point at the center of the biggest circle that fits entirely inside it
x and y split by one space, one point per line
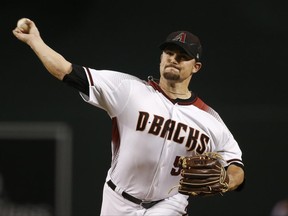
151 132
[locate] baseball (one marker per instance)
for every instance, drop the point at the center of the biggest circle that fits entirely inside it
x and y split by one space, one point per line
22 25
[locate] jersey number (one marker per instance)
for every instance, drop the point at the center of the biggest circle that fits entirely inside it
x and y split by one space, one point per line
175 171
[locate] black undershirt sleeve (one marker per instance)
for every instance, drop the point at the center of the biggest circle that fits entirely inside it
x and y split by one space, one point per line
77 79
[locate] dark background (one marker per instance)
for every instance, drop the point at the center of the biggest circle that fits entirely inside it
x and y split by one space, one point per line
243 78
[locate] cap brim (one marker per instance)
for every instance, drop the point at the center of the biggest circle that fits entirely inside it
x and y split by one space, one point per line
181 45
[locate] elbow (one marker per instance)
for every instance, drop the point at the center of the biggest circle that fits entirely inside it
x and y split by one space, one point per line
60 72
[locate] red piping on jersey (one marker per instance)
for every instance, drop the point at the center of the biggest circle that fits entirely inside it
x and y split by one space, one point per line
90 76
195 100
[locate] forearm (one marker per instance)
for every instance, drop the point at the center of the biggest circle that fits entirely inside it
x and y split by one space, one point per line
236 176
55 63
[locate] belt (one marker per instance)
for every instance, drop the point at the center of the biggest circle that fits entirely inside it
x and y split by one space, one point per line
133 199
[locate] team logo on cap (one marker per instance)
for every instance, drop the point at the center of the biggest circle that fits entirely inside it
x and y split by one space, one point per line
180 37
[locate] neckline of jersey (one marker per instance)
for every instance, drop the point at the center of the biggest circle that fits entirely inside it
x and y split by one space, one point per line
188 101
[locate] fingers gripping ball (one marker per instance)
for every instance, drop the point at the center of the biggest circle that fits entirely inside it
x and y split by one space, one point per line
203 175
22 25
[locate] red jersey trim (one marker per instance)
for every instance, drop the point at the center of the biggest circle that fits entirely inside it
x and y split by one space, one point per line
89 76
193 100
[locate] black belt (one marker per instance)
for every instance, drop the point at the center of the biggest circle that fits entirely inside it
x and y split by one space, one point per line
133 199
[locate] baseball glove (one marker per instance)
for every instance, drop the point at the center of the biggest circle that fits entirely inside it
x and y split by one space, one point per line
203 175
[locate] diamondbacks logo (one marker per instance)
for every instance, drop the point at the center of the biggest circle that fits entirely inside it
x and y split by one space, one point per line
180 37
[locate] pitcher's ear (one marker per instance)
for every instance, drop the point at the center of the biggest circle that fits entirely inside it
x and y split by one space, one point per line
196 67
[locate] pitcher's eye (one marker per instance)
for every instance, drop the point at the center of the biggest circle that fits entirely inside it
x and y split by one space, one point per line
168 52
185 57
